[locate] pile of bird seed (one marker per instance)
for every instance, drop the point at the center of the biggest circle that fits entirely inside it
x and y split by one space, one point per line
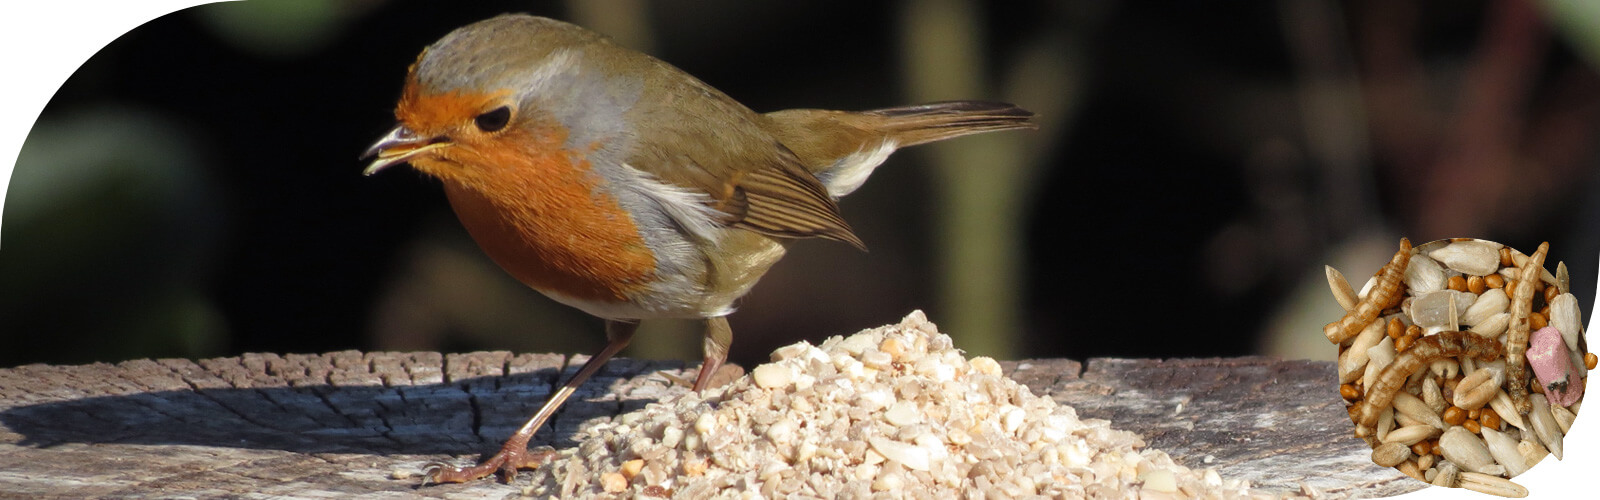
1463 362
895 411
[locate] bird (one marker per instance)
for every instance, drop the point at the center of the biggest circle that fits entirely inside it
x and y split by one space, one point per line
615 183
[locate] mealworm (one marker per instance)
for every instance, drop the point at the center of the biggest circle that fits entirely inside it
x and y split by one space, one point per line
1517 333
1446 344
1384 294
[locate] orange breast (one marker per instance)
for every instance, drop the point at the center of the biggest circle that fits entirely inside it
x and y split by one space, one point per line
536 210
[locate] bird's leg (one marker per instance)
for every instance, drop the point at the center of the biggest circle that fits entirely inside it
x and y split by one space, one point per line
514 453
718 337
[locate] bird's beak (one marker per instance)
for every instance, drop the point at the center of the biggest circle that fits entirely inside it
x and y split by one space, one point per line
399 145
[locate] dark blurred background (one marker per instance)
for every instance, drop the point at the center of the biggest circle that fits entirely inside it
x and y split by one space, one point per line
193 190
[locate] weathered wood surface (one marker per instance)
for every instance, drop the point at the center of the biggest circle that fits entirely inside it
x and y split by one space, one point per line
349 423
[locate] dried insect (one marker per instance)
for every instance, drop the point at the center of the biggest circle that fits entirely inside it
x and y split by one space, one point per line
1380 395
1385 293
1517 333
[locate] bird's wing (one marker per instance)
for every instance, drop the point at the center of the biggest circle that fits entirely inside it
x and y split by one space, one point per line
703 140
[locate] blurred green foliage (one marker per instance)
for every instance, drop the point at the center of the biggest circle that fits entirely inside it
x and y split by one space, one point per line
108 206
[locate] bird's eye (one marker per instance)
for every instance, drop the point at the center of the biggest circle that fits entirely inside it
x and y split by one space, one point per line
494 119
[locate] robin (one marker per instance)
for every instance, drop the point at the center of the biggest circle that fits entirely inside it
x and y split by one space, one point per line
615 183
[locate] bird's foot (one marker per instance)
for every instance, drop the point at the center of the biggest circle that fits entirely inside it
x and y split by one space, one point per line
508 461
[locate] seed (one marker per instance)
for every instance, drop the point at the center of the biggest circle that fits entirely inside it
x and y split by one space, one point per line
1396 328
1404 343
1475 284
1422 448
1413 331
1545 426
1494 281
1409 467
631 468
1566 317
1411 434
1432 395
1477 388
1416 409
1537 321
1386 422
1493 326
1564 418
1531 451
696 467
1504 450
1505 257
1445 368
1589 360
1471 426
1490 419
1454 415
1390 454
1466 450
613 482
1487 305
1456 283
1448 472
1506 411
1493 485
1342 292
1550 294
1349 392
1353 361
893 347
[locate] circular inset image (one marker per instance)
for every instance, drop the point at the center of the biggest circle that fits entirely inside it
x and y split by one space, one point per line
1463 361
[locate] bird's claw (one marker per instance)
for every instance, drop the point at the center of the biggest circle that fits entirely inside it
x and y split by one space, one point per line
507 462
429 473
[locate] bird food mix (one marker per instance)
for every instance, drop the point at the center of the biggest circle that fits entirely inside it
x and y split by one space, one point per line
896 410
1463 362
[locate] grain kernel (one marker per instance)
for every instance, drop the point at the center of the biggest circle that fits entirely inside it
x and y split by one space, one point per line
1550 294
1422 448
631 468
1404 343
1505 257
1476 285
1454 415
1490 419
1413 331
1494 281
1390 454
1396 328
1349 392
1589 360
1471 426
1457 283
613 482
1537 321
